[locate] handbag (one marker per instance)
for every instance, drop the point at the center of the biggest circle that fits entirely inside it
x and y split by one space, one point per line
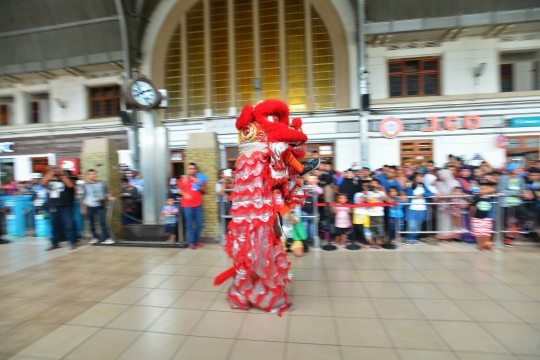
298 232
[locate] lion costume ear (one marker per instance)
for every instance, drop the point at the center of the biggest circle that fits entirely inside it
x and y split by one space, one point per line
272 107
245 117
296 123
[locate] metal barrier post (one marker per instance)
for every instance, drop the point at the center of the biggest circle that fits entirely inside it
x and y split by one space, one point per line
398 235
316 239
222 221
499 226
181 240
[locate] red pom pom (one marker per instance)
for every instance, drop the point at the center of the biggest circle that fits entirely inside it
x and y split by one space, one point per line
245 117
297 123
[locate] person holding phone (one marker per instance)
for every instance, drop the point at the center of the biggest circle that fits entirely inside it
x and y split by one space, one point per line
191 189
60 202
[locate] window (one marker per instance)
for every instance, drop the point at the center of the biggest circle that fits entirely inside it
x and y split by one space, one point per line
4 115
279 77
506 77
173 76
195 50
38 108
413 152
104 101
34 112
414 77
526 146
177 163
323 151
232 155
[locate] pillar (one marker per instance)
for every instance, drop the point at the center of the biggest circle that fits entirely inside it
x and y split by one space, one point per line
203 150
155 166
101 155
20 108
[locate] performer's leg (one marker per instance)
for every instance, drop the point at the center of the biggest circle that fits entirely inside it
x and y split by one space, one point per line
302 169
284 210
237 293
292 162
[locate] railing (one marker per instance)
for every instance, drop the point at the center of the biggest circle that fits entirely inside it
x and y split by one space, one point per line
224 216
508 221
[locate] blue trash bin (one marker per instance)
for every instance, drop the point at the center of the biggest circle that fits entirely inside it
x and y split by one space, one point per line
16 212
43 226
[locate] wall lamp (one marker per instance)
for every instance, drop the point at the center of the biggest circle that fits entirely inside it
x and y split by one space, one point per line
479 71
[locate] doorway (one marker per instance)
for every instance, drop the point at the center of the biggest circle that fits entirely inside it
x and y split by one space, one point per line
414 152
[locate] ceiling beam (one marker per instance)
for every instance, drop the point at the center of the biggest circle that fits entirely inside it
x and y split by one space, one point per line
74 71
449 35
57 26
12 79
119 65
46 75
497 31
454 22
453 34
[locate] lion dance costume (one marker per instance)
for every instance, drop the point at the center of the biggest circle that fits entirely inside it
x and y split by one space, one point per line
260 267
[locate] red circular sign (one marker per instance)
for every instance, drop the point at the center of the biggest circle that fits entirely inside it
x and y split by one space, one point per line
501 141
390 127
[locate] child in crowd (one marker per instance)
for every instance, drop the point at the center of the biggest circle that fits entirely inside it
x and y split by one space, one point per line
375 194
342 220
396 213
481 223
170 215
417 214
457 205
294 237
360 220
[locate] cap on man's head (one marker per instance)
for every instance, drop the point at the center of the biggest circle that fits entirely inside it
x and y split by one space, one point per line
512 167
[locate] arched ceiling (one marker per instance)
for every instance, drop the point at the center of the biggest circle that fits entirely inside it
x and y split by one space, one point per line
43 35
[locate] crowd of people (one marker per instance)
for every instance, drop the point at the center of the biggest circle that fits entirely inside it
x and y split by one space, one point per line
67 199
455 202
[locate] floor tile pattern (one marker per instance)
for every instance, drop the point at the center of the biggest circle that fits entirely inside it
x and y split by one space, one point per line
444 301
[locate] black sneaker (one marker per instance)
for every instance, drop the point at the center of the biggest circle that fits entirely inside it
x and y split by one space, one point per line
310 166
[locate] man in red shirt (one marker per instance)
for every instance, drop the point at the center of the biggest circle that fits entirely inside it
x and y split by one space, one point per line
191 189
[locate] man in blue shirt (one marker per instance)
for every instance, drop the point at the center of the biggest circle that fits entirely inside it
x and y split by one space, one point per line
388 179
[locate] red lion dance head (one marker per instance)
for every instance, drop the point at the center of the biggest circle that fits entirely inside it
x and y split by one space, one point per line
268 121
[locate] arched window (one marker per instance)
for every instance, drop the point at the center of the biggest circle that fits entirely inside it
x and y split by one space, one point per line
238 52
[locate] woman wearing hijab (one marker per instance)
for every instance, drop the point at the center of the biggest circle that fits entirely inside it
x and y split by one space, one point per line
470 186
445 187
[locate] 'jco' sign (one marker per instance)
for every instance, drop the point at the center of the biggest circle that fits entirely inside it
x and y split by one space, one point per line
451 123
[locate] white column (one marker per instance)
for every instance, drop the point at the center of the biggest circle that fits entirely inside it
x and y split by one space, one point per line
22 168
309 53
232 58
155 166
184 44
282 49
256 44
20 108
207 58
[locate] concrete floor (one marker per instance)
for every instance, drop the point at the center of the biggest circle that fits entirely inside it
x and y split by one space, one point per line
424 302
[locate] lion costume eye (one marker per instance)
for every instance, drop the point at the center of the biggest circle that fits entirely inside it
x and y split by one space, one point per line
270 118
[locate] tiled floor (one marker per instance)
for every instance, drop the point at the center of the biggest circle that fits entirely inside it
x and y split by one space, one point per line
427 302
